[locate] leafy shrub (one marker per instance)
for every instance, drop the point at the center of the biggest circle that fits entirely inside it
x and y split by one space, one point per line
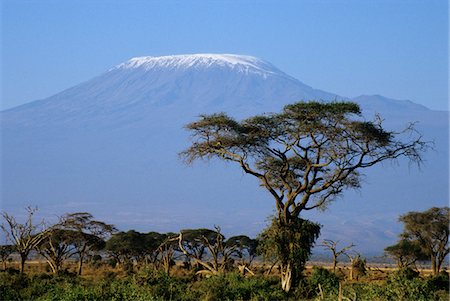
309 287
235 287
439 282
328 280
405 273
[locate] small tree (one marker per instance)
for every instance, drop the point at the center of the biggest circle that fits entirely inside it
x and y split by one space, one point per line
357 265
332 246
5 252
127 246
195 243
89 234
153 241
406 253
57 247
24 236
214 243
167 249
244 251
304 156
430 229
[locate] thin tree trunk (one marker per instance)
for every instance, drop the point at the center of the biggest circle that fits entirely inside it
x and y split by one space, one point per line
167 266
433 265
334 264
287 277
80 265
23 258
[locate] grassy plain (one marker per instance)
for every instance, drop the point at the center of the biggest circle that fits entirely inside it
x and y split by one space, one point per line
100 281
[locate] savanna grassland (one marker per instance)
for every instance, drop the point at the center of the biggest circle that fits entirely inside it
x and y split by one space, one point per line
103 280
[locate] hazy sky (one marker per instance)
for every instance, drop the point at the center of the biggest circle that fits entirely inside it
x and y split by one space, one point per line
395 48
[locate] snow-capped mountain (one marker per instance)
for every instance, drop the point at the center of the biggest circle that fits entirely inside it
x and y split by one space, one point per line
109 146
196 83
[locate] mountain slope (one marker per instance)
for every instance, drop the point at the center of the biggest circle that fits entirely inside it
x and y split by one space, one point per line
109 146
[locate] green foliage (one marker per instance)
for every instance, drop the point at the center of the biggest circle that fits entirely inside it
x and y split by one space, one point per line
235 287
328 280
406 252
289 243
150 284
125 246
405 273
439 282
359 265
431 231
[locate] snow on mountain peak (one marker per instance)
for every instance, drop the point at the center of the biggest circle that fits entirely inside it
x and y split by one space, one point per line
244 63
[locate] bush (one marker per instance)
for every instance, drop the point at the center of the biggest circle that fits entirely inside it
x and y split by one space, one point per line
152 285
309 287
405 273
236 287
327 280
439 282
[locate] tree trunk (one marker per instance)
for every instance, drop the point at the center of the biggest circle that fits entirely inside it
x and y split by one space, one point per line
440 260
23 258
433 265
287 276
80 265
167 267
334 264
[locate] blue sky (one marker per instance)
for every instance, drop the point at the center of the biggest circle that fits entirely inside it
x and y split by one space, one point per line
391 47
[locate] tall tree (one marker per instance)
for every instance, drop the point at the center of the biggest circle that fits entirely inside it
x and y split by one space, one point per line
431 230
304 156
89 234
25 236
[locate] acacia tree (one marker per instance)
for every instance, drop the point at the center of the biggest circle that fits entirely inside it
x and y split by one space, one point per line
25 236
406 253
304 156
431 230
88 234
57 247
195 242
127 246
244 251
167 249
216 246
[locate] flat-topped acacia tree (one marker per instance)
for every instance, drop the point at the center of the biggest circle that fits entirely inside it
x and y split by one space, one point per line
305 156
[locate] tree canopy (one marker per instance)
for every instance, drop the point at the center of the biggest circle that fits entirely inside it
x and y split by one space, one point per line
430 229
311 151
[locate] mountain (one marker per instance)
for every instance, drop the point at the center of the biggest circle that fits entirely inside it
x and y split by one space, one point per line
109 146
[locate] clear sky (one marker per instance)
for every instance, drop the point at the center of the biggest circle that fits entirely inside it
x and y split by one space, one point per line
395 48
